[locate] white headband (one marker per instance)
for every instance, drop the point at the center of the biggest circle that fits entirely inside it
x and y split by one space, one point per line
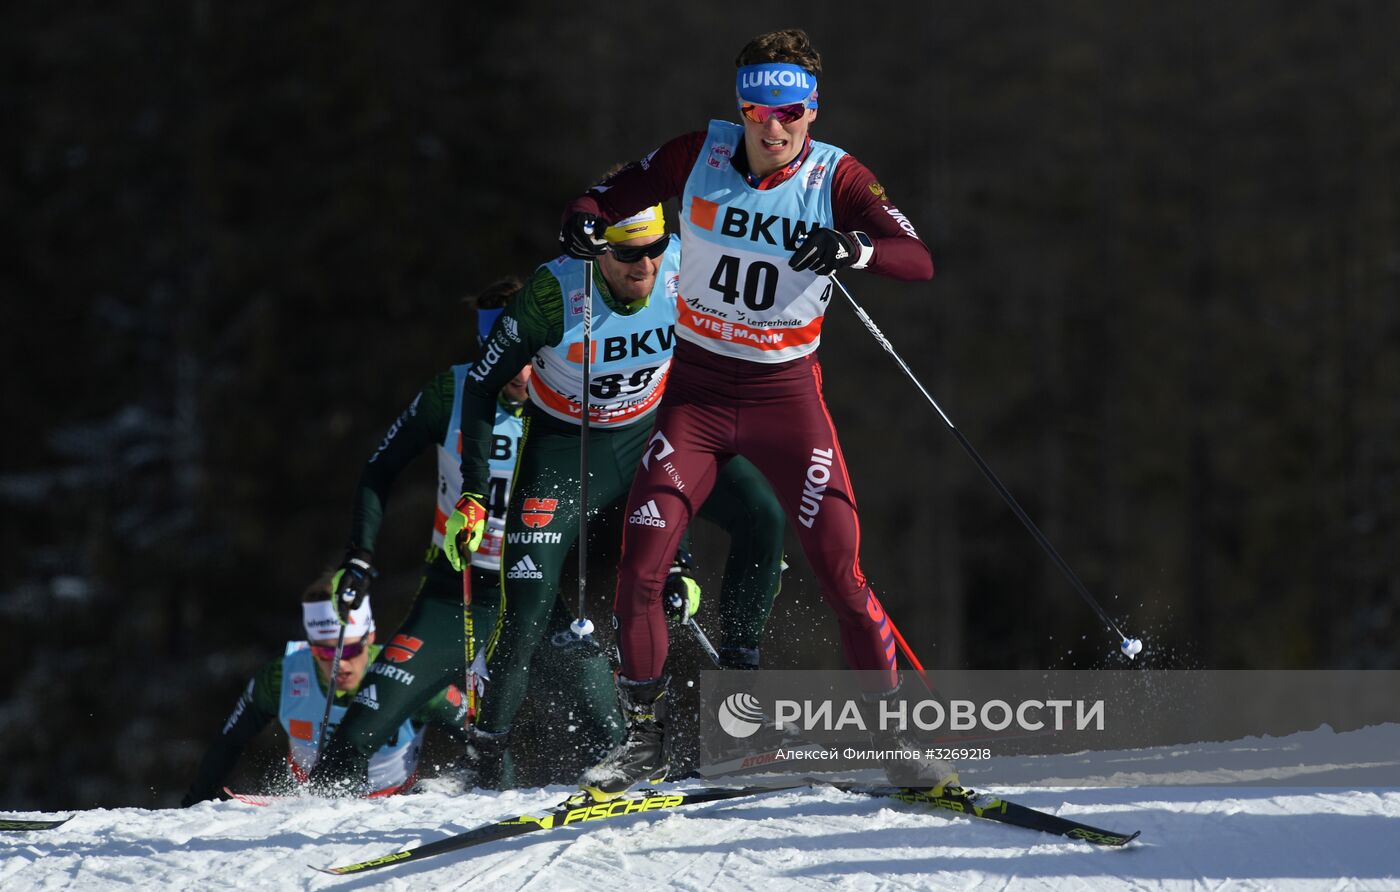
323 624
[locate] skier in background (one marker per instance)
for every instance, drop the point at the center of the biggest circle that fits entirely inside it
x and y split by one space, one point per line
292 690
632 337
429 650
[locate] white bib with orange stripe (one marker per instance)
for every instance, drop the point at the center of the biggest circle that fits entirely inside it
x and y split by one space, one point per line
629 357
738 297
505 443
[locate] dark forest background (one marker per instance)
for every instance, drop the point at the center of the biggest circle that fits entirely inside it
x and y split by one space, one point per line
236 237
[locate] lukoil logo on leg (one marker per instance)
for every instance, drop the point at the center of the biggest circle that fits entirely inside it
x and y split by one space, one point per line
814 485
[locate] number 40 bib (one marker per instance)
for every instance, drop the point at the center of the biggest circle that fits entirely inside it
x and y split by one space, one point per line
737 295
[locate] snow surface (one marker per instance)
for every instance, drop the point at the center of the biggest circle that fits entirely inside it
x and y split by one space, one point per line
1193 837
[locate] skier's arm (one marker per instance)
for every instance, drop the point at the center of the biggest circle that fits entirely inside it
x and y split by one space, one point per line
859 203
255 708
532 320
641 184
421 426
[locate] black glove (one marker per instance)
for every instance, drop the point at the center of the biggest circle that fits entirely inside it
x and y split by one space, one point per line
351 582
582 236
681 593
824 251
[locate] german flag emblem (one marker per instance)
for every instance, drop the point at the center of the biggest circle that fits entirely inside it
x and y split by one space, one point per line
538 513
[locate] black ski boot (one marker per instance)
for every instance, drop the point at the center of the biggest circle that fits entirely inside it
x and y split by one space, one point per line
641 755
907 763
484 765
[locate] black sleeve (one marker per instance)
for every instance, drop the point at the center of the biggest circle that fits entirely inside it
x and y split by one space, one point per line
421 426
532 320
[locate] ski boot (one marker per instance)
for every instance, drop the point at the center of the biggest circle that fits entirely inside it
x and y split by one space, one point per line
913 768
641 755
485 761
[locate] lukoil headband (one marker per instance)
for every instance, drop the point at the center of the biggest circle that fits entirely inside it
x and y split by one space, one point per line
776 83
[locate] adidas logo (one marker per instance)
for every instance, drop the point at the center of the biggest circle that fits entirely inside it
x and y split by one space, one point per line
648 515
525 568
369 697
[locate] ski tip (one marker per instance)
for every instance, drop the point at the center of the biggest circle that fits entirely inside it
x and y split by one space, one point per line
21 825
344 869
260 800
1101 837
338 871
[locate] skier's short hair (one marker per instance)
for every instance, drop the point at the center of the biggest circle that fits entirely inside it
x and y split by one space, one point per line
319 589
791 45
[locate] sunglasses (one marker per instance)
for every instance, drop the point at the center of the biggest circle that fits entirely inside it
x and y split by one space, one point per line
633 253
348 652
785 114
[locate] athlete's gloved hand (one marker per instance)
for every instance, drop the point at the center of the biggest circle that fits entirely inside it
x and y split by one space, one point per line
582 236
465 527
351 582
681 593
824 251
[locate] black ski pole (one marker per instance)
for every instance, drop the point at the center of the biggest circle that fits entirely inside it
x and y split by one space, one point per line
1129 646
581 626
700 637
330 690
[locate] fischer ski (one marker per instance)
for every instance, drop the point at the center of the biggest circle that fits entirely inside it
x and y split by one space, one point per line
993 808
21 824
578 809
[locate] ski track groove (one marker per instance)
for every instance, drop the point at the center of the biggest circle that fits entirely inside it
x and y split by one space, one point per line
559 853
677 877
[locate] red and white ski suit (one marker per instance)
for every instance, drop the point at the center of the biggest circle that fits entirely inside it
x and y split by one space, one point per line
719 404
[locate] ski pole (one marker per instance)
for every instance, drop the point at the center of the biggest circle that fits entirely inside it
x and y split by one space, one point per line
582 626
1129 646
469 637
698 632
704 641
908 652
330 691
